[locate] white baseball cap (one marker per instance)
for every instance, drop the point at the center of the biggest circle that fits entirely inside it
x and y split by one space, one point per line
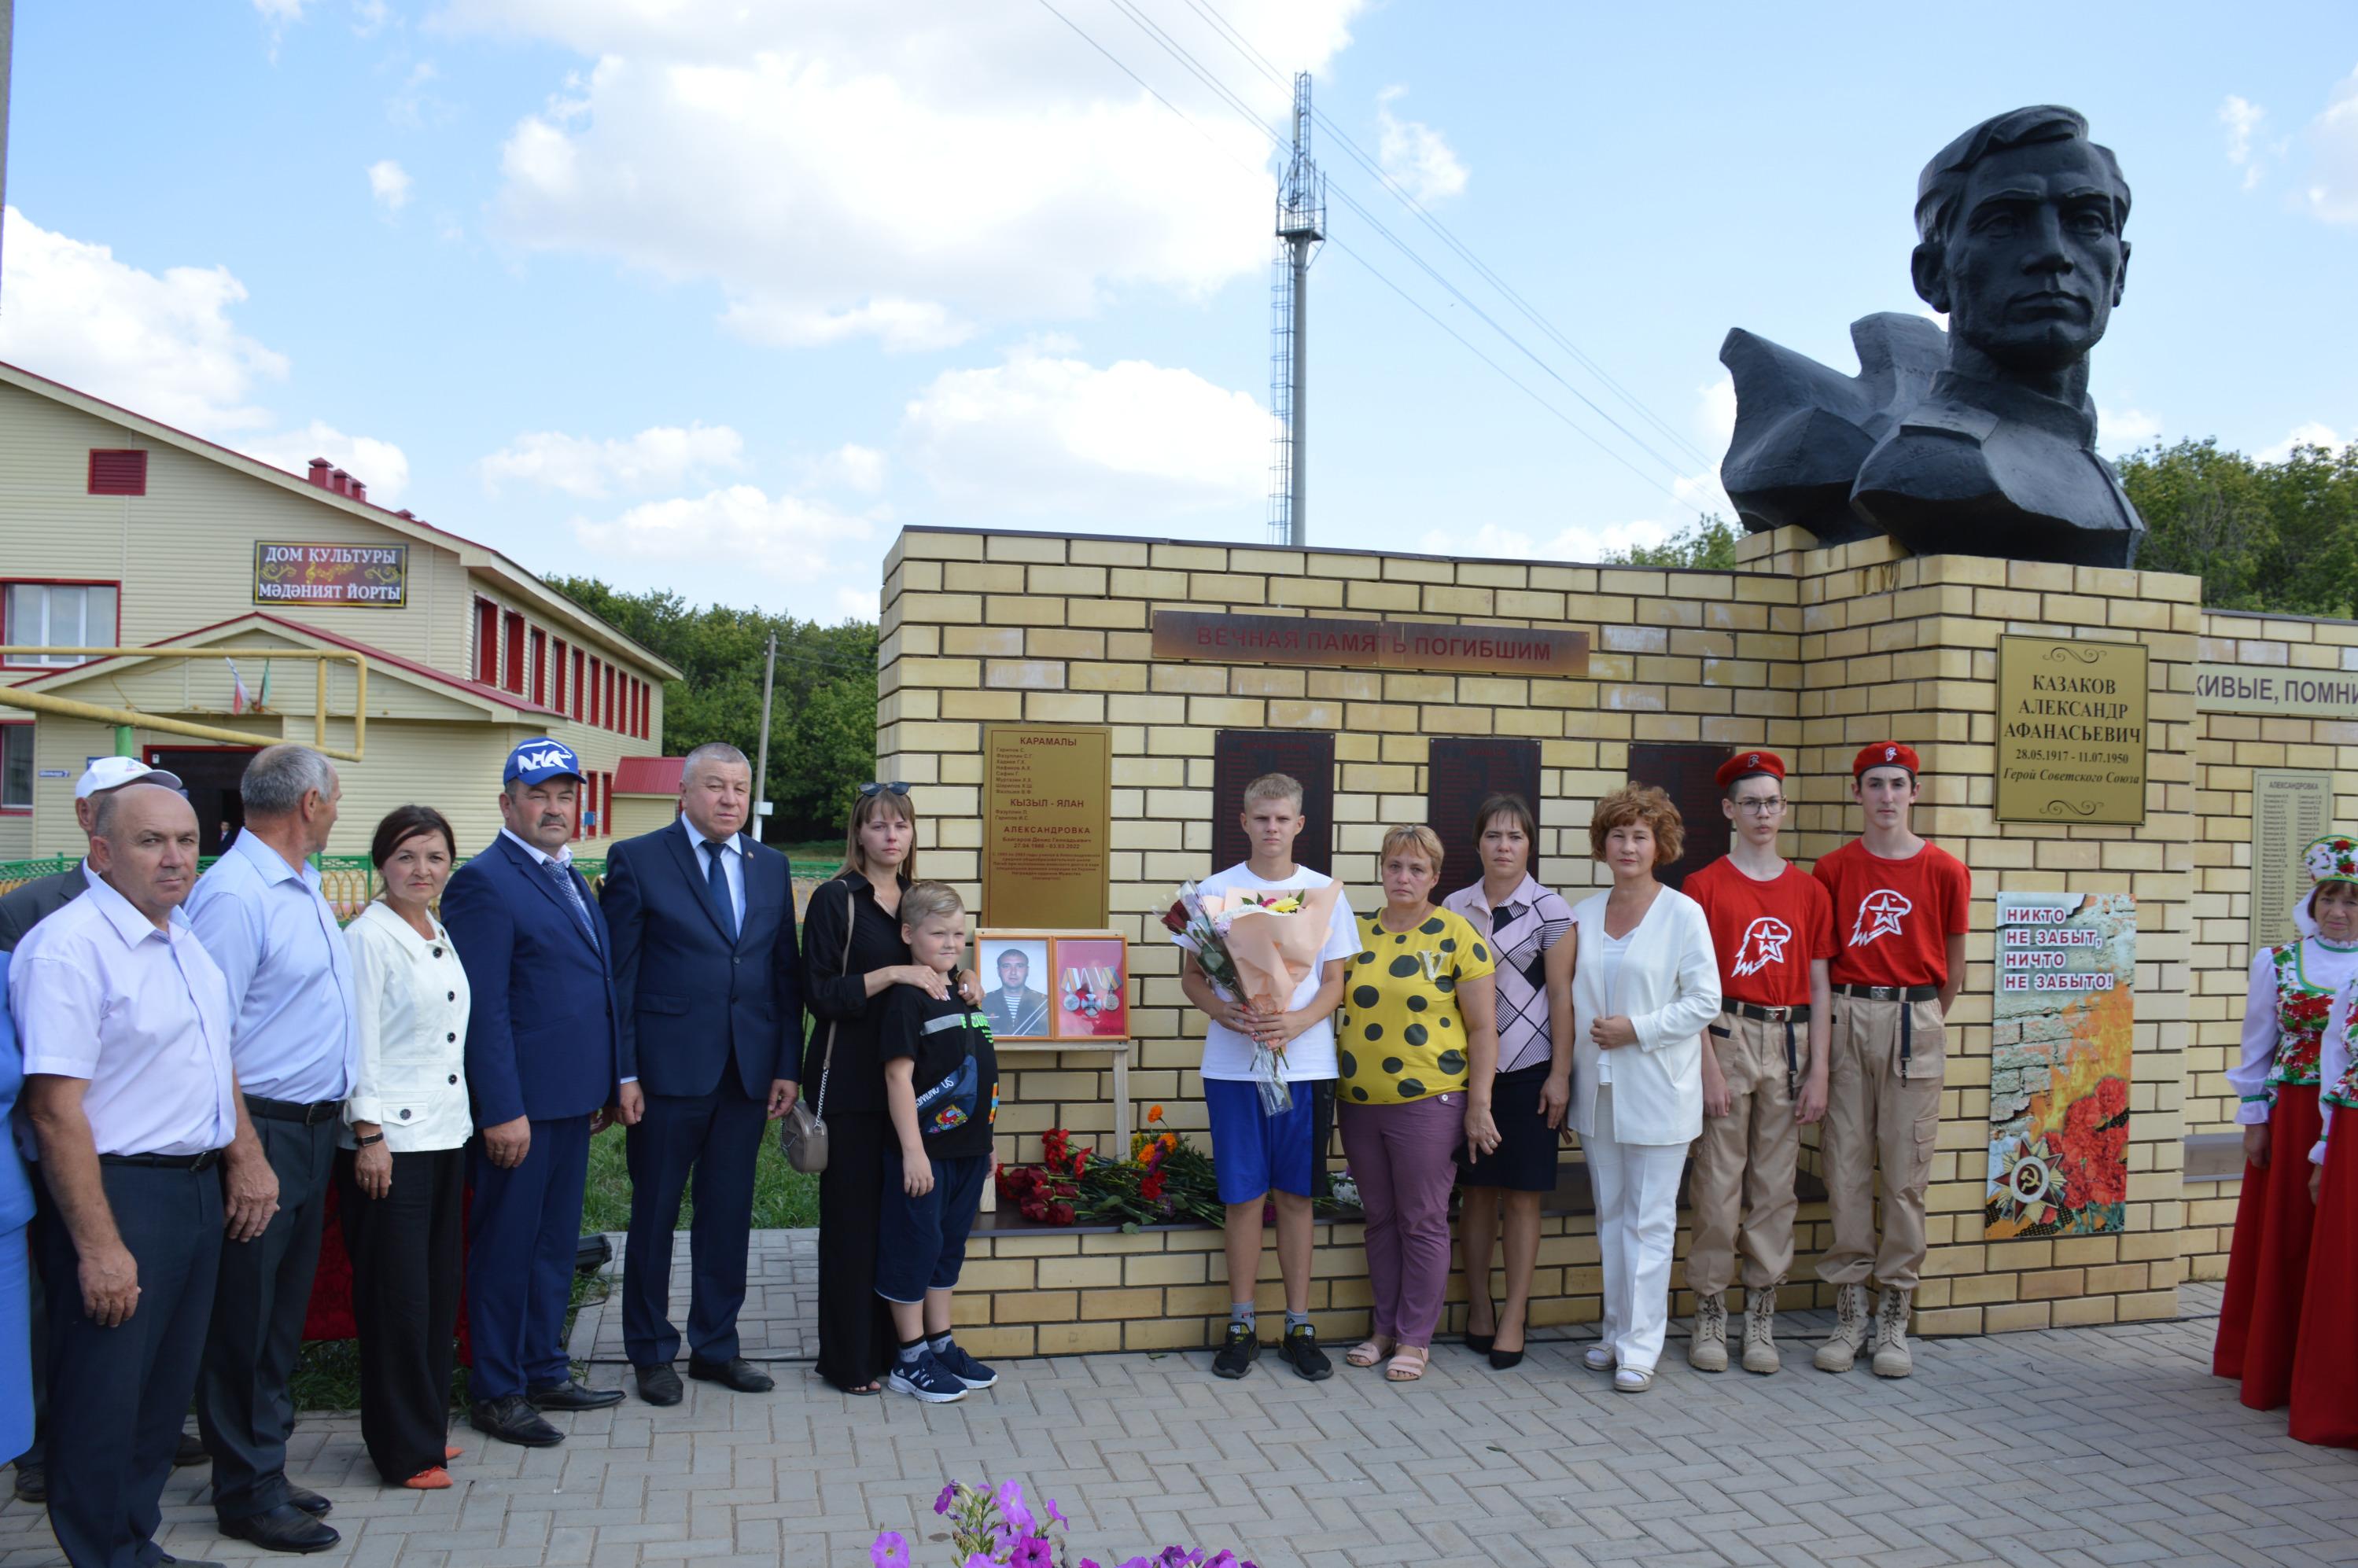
113 773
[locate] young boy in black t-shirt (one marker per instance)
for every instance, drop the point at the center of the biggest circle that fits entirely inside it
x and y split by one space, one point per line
941 1086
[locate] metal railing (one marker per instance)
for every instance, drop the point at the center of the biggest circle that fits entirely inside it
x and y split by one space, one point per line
66 707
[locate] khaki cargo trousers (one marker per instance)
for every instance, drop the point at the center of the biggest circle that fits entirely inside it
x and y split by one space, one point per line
1742 1185
1884 1071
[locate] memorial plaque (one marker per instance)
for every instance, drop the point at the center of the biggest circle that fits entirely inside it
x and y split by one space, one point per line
2061 1035
1686 770
2071 730
349 577
1240 756
1047 824
1369 645
2286 693
1461 769
2292 807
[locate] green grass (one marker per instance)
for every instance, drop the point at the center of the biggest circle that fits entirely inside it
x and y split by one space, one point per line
328 1371
784 1198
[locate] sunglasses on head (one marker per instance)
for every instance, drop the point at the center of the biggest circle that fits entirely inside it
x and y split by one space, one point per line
895 788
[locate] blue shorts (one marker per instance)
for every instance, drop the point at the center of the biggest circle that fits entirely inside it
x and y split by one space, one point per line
1253 1153
920 1242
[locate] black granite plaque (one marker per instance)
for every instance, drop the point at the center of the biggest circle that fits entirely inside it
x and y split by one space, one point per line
1240 756
1462 771
1685 769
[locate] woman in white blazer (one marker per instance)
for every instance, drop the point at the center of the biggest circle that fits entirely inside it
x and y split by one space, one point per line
1644 988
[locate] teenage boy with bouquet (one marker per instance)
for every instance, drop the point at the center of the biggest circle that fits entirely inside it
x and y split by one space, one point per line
1260 1154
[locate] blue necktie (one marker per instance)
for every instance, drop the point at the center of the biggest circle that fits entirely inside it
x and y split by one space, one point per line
573 897
716 876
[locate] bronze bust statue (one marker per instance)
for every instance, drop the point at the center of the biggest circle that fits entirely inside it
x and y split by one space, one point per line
1980 441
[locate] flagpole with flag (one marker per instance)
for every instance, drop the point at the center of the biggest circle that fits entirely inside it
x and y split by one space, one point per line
240 700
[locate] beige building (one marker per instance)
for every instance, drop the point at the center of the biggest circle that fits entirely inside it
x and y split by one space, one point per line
116 531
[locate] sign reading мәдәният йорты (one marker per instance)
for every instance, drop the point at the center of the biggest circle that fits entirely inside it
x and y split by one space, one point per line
1047 825
1369 645
2071 731
353 576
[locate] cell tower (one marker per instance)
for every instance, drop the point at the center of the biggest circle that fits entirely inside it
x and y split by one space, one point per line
1301 226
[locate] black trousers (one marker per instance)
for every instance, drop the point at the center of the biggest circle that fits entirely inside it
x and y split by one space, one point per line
405 1249
124 1389
718 1136
244 1406
855 1342
34 1457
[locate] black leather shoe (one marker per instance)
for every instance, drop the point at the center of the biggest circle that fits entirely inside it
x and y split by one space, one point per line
32 1483
310 1501
188 1562
572 1395
283 1529
736 1373
513 1420
192 1451
659 1385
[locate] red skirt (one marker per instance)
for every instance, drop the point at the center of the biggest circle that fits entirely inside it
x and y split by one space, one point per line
2259 1321
2325 1368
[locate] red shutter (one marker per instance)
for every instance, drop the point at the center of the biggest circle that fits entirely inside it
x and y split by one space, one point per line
514 626
606 793
579 685
560 703
610 721
117 472
595 668
539 666
487 642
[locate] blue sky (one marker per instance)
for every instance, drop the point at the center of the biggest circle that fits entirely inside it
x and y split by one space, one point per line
716 297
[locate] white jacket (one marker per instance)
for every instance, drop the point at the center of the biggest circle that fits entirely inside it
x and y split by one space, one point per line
413 1027
1667 987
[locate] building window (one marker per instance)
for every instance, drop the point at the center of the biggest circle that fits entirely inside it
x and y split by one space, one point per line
596 666
58 615
578 685
514 628
15 767
117 473
639 716
606 796
611 722
560 703
540 666
487 642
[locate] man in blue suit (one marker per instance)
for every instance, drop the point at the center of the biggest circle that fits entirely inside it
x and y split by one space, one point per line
706 978
546 1060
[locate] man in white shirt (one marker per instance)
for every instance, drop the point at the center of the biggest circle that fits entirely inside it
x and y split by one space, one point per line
1259 1157
133 1101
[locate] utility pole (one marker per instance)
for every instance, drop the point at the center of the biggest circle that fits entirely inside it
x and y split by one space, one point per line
761 764
1301 228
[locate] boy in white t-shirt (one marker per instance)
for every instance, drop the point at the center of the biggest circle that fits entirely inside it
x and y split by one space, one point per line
1258 1157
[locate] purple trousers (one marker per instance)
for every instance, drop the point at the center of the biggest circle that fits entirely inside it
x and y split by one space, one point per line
1403 1157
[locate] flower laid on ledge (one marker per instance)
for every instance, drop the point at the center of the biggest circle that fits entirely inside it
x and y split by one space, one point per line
996 1528
1166 1180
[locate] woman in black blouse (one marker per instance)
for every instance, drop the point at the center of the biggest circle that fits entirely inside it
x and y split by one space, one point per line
852 955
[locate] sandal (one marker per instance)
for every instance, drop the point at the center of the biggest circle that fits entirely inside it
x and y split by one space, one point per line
1367 1352
1407 1364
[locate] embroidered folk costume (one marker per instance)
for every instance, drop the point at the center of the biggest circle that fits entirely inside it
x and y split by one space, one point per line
2325 1359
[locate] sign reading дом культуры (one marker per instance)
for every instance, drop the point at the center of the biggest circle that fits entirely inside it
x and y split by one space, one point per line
2059 1048
355 577
2071 730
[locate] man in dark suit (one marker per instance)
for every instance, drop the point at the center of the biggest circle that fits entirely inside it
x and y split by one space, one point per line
1015 1008
545 1062
706 980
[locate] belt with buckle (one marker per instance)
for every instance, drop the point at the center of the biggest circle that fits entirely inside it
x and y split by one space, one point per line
1889 993
204 1162
1799 1015
295 1111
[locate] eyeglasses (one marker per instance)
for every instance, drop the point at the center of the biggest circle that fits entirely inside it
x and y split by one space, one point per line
1769 807
895 788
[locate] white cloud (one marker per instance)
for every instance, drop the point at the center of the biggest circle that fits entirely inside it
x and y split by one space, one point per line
390 184
1040 433
163 345
368 16
2241 118
281 12
2333 188
786 538
902 171
2313 433
380 465
1580 542
850 467
1417 156
660 455
2125 429
860 603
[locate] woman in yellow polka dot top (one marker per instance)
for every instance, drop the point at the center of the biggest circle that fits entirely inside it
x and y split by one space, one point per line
1418 1050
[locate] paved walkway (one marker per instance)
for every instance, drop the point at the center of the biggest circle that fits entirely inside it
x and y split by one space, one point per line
2095 1446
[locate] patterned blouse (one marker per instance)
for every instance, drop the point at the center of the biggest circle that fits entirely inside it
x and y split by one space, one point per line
1522 930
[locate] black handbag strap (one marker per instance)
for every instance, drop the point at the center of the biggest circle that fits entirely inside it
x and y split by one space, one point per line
827 1060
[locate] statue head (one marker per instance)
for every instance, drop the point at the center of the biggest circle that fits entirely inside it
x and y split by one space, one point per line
2018 239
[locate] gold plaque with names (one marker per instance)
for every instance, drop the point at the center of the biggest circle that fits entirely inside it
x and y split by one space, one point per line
2071 731
1047 825
2291 809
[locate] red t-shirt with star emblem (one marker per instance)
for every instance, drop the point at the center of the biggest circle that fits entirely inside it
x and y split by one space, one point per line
1893 918
1765 933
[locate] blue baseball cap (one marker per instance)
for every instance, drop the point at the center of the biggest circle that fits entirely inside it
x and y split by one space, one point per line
535 762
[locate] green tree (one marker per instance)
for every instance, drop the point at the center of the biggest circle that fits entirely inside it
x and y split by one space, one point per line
823 716
2279 537
1709 544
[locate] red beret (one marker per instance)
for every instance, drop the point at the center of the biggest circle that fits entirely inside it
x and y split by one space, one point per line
1884 754
1744 762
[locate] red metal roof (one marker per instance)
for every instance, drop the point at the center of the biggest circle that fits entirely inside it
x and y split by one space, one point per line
648 776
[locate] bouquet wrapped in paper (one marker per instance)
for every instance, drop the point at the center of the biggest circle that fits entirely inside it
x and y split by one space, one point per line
1258 949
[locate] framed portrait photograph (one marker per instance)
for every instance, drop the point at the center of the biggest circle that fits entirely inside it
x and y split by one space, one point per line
1016 975
1055 985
